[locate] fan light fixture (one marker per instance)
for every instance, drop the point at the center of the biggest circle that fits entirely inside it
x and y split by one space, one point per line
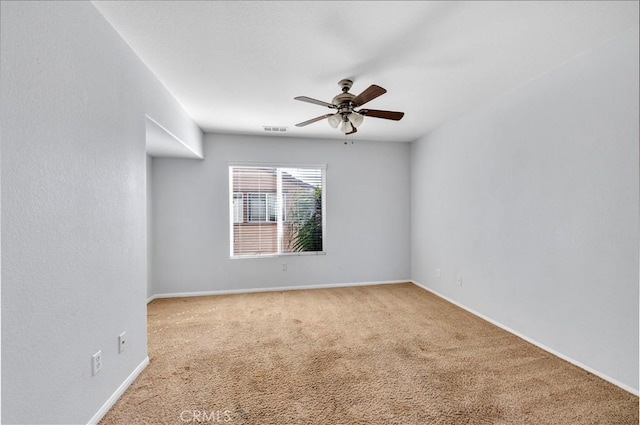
355 118
346 127
347 121
334 120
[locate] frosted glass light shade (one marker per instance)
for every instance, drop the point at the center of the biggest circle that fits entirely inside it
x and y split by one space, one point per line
334 120
356 119
346 127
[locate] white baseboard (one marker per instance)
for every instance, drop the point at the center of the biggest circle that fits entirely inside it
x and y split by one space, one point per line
615 382
116 395
272 289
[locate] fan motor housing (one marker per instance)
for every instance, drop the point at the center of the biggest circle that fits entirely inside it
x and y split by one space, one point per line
343 99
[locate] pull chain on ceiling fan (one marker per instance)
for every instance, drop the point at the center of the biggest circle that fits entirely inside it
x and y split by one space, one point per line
347 118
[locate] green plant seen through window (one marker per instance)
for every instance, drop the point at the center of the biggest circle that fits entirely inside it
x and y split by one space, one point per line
305 226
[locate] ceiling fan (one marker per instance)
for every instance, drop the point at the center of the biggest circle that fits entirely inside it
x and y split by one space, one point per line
345 104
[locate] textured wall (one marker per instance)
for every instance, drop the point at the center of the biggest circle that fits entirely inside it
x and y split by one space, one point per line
149 215
367 234
74 99
533 199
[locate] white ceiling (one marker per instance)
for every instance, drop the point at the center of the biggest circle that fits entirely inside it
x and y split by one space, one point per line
236 66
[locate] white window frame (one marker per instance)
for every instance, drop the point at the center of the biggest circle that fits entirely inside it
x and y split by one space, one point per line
274 198
265 213
237 209
279 208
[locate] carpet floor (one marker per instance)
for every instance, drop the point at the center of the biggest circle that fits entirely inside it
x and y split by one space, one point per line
388 354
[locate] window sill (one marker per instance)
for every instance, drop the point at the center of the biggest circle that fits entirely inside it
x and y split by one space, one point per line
288 254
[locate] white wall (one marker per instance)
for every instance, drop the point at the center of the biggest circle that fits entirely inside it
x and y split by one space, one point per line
533 199
74 99
149 215
367 234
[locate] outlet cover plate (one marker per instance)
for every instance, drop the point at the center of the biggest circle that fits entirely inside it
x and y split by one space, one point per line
96 363
122 342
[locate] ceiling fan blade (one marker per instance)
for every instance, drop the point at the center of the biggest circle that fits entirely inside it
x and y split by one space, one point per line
315 101
355 130
312 120
368 95
387 115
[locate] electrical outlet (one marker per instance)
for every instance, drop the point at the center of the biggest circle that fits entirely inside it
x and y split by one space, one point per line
459 280
122 342
96 362
438 273
284 267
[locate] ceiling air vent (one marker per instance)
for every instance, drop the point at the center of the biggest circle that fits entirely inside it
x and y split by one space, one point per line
274 129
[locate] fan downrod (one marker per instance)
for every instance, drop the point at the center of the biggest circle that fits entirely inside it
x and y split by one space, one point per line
345 84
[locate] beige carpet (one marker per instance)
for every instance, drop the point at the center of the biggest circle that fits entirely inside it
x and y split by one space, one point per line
389 354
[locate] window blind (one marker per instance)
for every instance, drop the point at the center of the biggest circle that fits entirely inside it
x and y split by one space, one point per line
276 210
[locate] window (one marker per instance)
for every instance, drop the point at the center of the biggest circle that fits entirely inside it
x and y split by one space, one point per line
276 210
260 206
257 207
